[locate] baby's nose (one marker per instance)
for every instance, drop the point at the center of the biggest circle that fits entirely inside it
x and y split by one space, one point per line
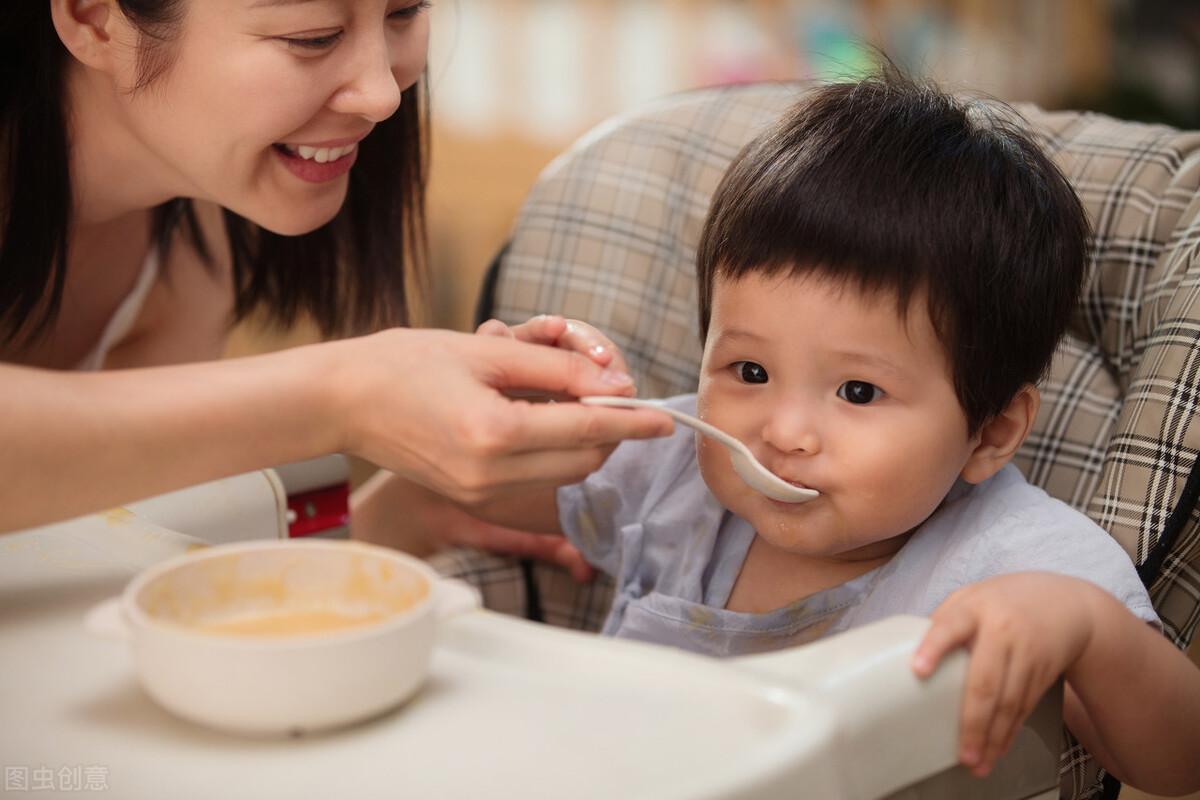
792 430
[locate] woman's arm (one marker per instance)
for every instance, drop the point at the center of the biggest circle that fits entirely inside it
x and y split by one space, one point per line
429 405
76 443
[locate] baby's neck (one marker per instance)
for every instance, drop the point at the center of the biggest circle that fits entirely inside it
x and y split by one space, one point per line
772 578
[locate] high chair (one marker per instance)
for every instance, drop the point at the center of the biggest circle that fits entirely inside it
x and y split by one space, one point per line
609 233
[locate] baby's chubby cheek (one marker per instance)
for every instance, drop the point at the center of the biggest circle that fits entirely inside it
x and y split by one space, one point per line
714 465
891 507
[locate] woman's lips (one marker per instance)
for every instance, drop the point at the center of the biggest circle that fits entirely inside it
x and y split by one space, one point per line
338 161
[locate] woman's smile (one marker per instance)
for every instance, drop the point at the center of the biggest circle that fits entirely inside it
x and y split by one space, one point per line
317 164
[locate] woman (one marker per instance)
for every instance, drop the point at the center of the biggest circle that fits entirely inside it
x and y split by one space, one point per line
172 165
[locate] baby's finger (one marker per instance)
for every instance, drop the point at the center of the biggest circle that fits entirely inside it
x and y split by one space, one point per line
951 628
509 541
1035 687
987 673
552 548
568 556
1009 713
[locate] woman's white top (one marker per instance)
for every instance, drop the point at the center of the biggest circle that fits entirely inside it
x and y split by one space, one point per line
125 316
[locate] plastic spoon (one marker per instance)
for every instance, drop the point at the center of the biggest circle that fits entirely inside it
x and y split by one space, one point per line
745 464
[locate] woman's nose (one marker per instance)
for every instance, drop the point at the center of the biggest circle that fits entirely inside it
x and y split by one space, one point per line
791 429
371 89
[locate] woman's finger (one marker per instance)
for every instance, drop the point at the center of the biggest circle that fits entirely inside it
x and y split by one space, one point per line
537 427
550 370
543 329
494 327
534 470
468 481
583 338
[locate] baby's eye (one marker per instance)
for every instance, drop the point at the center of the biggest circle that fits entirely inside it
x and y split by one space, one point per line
749 372
859 392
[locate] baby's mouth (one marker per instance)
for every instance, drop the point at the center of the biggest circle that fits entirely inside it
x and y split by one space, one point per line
797 484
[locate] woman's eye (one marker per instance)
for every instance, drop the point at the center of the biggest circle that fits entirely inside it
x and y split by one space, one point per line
749 372
408 12
329 40
313 43
859 392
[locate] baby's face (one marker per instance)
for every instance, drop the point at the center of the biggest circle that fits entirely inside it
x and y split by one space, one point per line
836 391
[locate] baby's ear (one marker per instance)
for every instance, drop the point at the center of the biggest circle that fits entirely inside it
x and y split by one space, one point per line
1000 436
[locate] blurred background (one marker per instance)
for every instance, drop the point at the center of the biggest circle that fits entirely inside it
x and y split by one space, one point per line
514 82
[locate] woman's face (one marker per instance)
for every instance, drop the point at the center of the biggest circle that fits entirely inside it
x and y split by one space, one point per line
262 102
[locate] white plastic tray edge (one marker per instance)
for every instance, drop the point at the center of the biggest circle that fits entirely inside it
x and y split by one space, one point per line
796 756
878 703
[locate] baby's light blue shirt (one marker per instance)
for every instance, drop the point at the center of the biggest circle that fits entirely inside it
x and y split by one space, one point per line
648 519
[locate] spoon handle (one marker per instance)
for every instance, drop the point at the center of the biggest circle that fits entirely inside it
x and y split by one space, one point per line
687 419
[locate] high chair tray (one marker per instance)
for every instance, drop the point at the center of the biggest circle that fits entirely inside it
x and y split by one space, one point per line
511 708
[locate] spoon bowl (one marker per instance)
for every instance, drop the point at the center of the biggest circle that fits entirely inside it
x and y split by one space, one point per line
747 467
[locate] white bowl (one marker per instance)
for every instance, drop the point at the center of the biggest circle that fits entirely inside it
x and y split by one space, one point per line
281 637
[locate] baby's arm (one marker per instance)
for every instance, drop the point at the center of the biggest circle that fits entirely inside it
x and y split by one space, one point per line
1132 699
526 524
535 510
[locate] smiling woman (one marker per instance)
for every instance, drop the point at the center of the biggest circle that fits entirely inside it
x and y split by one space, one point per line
288 241
172 165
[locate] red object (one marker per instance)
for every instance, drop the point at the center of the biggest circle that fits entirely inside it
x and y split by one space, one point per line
319 510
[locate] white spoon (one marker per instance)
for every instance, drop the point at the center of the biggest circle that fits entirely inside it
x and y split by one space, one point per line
745 464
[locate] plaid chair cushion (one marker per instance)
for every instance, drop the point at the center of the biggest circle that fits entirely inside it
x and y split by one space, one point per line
609 235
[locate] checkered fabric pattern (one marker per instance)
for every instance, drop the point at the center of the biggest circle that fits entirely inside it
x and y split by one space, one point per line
609 235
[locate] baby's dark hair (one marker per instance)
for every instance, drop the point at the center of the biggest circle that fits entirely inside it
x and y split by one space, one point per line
892 185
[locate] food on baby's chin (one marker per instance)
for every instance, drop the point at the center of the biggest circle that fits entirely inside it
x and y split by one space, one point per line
290 623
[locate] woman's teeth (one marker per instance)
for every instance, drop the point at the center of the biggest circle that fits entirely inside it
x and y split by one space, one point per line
320 154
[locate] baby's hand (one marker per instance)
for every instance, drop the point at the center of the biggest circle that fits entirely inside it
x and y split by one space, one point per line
1023 632
568 334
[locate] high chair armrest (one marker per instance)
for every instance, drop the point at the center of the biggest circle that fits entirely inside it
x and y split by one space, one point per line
894 729
304 498
252 505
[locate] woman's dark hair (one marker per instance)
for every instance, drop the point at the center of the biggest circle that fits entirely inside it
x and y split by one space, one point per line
348 274
893 186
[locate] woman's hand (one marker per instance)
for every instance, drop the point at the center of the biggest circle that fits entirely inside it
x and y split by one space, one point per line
432 406
576 336
1023 632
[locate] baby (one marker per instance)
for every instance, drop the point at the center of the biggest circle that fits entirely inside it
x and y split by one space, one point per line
884 276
